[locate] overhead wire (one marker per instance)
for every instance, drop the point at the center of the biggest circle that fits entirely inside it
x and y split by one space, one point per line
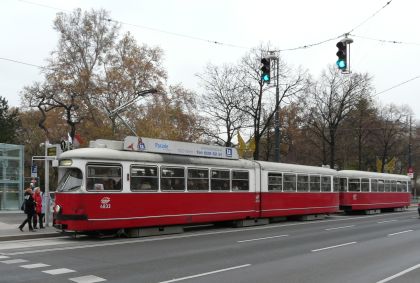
395 86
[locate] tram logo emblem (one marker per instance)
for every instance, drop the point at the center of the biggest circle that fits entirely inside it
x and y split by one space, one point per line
354 197
105 202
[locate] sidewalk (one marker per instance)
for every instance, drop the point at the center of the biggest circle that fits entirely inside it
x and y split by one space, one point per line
10 221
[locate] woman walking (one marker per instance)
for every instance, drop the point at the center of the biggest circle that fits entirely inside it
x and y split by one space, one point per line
29 209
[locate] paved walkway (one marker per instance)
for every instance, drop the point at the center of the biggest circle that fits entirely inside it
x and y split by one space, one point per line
10 221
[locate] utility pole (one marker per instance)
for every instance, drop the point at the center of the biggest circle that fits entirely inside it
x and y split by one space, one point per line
277 139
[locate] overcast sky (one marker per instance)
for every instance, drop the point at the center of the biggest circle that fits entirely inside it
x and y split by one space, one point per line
184 29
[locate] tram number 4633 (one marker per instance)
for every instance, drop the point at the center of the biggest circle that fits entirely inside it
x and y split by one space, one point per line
105 202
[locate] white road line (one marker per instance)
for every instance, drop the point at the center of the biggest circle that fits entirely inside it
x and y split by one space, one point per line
11 261
342 227
393 234
332 247
35 265
87 279
185 236
3 256
58 271
265 238
206 273
399 274
386 221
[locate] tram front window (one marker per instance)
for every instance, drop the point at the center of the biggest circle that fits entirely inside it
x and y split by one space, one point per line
71 180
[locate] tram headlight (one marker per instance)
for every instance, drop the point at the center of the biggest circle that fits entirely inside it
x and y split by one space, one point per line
66 162
57 208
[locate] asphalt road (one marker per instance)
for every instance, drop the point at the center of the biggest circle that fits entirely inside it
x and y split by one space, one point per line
378 249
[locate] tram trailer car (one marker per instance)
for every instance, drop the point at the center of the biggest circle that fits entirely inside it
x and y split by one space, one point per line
155 183
372 192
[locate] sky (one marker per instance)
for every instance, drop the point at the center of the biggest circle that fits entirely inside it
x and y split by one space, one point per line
386 37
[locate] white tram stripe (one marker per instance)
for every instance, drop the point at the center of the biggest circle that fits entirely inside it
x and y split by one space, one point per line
393 234
172 215
12 261
58 271
206 273
35 265
87 279
399 274
342 227
265 238
332 247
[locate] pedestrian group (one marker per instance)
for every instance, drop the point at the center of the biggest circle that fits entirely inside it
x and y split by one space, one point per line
34 206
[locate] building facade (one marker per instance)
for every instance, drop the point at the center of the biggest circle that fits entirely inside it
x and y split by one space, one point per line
11 176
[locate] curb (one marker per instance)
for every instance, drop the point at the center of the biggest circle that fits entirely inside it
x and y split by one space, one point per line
32 235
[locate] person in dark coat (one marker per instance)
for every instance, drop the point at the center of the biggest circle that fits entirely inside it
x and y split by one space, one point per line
29 209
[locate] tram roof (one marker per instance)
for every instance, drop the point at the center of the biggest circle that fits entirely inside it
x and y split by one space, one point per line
296 168
373 175
112 155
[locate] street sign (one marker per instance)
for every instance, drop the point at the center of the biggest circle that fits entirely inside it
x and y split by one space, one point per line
52 151
34 171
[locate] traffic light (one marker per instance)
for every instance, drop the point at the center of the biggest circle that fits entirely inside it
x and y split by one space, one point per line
265 70
342 55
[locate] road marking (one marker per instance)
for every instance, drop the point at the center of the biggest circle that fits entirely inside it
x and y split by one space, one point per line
87 279
58 271
206 273
8 245
399 274
342 227
386 221
3 256
186 236
265 238
393 234
11 261
332 247
35 265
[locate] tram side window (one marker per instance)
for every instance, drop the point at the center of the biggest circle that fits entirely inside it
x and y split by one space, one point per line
343 184
326 184
400 186
220 180
336 186
172 178
381 186
104 177
240 180
407 187
387 186
303 183
198 179
374 185
315 183
275 181
354 185
289 182
393 186
144 178
365 185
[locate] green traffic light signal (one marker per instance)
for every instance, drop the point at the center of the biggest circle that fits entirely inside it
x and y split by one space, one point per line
265 70
342 55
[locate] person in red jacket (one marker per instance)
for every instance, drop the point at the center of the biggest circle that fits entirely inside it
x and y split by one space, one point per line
38 217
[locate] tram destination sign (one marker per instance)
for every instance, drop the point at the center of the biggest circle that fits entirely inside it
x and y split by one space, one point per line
180 148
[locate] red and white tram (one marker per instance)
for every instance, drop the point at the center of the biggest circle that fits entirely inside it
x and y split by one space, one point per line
155 183
371 192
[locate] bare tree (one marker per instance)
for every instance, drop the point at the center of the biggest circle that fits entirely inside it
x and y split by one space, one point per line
259 102
392 129
330 101
221 102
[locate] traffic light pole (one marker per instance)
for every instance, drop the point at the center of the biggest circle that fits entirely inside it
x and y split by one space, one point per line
276 116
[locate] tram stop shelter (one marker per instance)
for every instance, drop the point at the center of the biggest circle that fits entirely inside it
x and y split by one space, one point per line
11 176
